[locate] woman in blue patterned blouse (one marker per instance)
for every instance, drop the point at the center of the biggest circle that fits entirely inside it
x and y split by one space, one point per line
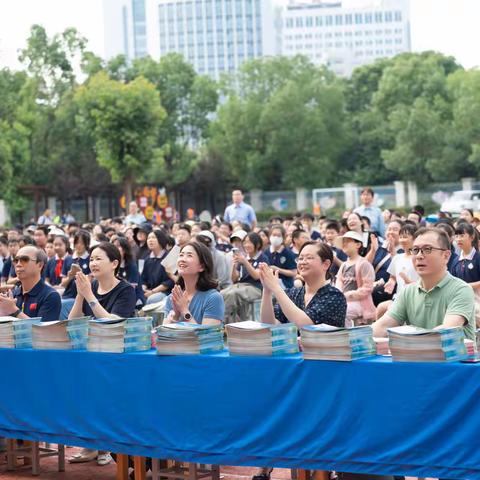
316 302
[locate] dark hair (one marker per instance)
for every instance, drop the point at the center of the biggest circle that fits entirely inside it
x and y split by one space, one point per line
442 237
117 220
27 240
368 190
64 239
418 214
408 229
111 251
446 227
127 249
205 225
275 219
333 226
255 239
162 238
101 237
419 209
170 241
206 280
296 234
324 251
42 228
187 227
277 226
13 240
84 236
228 225
366 219
307 216
465 227
3 241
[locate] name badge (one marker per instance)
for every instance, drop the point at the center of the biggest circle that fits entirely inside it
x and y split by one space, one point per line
470 266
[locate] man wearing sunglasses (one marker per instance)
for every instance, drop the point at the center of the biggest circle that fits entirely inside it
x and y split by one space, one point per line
437 298
31 297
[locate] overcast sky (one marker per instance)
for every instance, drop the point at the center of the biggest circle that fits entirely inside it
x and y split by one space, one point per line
448 26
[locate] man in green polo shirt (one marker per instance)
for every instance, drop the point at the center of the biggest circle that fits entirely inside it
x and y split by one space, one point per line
438 298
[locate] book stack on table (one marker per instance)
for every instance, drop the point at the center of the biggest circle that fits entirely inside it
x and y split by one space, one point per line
185 338
326 342
412 344
60 334
255 338
120 335
16 333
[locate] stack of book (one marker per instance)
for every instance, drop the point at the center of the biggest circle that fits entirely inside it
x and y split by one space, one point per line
255 338
16 333
471 347
412 344
60 334
120 335
185 338
326 342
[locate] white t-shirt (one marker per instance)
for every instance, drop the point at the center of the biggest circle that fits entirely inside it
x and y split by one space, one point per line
401 263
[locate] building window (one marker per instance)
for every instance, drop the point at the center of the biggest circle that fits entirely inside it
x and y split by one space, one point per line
388 16
318 21
378 17
329 20
338 20
289 23
299 22
309 21
358 18
368 18
398 16
348 19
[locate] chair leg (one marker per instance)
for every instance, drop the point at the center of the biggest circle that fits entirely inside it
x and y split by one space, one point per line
215 472
139 466
122 467
155 468
11 457
303 474
61 458
321 475
192 471
35 458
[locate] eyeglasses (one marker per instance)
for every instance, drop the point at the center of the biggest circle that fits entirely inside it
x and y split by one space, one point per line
309 258
23 259
423 250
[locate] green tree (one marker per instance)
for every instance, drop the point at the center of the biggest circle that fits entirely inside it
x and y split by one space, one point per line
282 125
124 120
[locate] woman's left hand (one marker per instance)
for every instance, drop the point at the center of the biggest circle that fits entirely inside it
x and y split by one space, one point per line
268 277
84 287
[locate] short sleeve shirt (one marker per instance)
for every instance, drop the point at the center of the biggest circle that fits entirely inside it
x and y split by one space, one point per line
208 304
41 301
328 306
427 309
285 260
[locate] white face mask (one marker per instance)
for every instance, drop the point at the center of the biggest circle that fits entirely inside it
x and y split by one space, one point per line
275 242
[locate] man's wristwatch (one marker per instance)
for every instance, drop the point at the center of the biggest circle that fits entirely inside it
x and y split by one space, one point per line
16 313
187 317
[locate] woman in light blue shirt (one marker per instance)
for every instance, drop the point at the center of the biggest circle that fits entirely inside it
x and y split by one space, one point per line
195 297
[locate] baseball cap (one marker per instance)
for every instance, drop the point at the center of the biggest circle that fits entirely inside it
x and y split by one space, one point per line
358 237
240 234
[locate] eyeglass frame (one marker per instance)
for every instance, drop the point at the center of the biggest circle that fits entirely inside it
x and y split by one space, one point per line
23 259
427 250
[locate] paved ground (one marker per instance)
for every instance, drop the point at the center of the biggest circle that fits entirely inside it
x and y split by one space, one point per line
91 471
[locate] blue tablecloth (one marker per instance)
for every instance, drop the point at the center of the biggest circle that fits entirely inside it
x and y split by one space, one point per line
369 416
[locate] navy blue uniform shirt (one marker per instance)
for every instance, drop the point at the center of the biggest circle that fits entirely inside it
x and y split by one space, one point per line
284 259
41 301
468 269
129 273
120 300
154 274
84 262
245 277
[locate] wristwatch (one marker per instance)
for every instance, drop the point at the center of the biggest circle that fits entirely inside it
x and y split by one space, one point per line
16 313
92 303
187 316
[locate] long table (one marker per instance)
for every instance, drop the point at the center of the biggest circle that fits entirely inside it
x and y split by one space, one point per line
369 416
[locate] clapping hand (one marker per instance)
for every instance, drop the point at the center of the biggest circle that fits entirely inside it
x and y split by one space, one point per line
179 301
8 304
373 242
268 277
84 287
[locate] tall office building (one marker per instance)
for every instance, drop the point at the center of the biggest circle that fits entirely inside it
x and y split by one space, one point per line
214 35
345 36
125 28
